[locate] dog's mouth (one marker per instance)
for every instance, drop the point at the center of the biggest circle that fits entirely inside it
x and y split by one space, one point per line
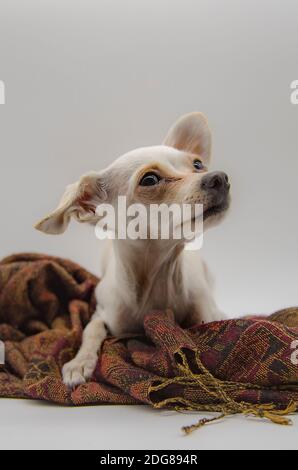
216 209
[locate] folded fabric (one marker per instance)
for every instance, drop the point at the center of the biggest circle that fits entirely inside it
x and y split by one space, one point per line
233 366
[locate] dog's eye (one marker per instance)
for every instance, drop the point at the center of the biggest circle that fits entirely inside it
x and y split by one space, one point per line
198 164
150 179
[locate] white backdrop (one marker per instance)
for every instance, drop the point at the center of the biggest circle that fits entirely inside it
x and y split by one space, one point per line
88 80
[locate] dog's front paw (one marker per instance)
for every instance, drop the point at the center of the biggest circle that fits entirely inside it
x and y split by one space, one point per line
79 370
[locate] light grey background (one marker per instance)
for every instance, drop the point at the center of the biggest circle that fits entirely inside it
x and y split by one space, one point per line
37 425
88 80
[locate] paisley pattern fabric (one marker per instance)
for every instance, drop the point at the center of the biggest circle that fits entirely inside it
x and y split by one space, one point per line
230 366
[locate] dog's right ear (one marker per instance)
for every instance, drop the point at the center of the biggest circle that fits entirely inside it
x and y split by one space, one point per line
79 201
191 133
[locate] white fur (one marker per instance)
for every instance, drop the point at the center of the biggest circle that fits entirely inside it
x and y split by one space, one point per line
141 275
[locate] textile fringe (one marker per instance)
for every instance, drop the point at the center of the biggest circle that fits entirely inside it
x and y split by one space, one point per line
224 404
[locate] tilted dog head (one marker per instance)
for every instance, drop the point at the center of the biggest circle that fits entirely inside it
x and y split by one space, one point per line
173 173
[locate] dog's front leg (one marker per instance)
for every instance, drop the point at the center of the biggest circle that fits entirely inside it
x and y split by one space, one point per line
82 366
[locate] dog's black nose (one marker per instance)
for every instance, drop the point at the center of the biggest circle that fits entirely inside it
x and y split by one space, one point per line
217 180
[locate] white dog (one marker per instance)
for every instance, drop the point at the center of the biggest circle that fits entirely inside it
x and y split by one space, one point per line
145 274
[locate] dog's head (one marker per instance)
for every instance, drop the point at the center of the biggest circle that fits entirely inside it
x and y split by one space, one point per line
173 173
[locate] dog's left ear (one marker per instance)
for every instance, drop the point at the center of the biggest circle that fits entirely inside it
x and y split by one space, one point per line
79 201
191 133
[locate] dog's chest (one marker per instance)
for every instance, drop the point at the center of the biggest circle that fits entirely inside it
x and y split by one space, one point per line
129 317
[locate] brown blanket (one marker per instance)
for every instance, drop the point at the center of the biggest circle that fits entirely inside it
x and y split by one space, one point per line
241 365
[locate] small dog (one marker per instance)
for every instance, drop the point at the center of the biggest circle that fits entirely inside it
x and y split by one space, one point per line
145 274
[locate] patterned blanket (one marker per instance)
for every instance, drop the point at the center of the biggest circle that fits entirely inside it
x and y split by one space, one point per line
246 365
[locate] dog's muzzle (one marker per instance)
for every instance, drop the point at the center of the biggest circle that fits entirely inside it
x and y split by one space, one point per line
217 186
217 181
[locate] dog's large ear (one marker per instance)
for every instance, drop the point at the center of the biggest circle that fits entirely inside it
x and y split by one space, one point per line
79 201
191 133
